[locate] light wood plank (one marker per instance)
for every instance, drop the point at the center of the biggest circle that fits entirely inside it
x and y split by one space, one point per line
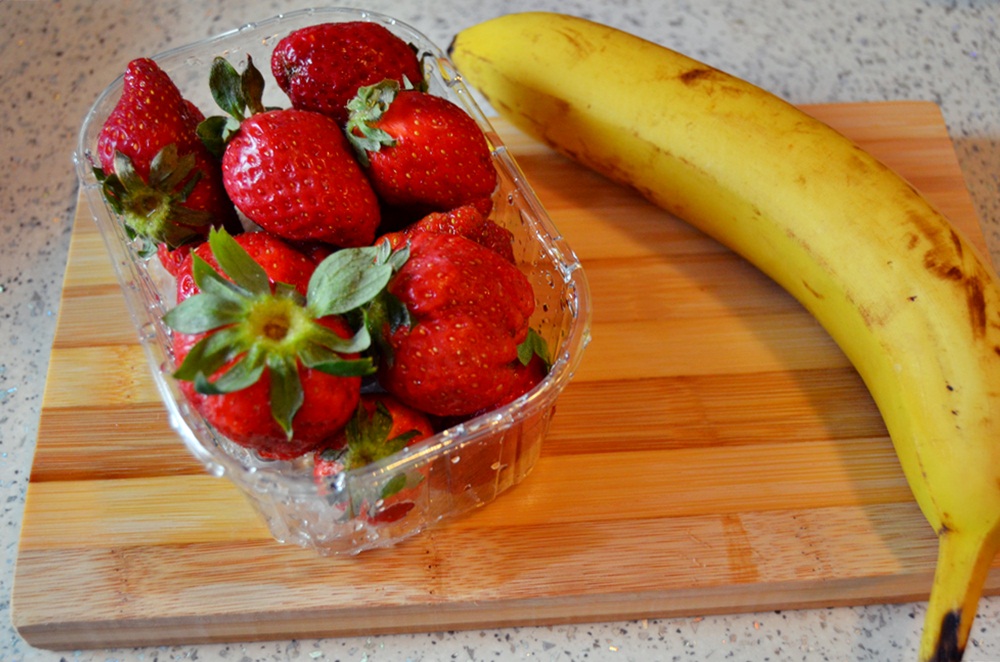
81 445
648 484
97 375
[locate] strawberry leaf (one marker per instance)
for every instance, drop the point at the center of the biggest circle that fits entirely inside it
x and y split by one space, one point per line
226 85
286 291
394 258
383 316
393 486
387 311
236 263
323 337
286 391
126 173
168 172
533 345
252 87
203 312
323 353
208 355
339 367
209 281
237 95
243 373
112 189
214 132
346 280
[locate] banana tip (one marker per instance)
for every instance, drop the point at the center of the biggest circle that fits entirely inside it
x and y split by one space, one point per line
947 648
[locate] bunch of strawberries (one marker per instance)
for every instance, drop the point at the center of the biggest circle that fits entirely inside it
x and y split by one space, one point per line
341 288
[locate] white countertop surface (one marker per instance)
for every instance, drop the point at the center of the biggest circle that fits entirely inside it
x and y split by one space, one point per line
55 57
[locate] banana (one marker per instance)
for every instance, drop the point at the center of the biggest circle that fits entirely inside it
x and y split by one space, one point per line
910 301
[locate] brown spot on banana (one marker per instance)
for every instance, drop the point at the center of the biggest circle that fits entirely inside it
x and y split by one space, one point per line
811 291
975 298
693 76
583 46
945 258
712 81
869 316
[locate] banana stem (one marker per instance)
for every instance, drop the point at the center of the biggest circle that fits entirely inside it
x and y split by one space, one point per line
963 564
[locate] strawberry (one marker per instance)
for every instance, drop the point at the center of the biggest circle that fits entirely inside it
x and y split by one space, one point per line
289 171
479 469
283 264
265 350
468 310
173 259
466 221
531 368
316 251
421 151
155 171
321 67
381 426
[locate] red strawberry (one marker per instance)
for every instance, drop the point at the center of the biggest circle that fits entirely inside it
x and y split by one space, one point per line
245 416
479 469
421 151
173 259
155 170
282 263
468 311
380 427
528 376
321 67
265 353
289 171
314 250
466 221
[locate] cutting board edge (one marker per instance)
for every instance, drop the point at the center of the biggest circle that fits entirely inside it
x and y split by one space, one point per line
427 616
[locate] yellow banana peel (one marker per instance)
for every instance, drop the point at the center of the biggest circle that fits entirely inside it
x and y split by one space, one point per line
904 294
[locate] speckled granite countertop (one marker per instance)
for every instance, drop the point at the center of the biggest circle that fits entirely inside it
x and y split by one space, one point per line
55 57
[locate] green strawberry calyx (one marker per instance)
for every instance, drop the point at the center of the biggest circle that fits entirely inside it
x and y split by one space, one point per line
153 210
239 95
386 313
368 440
365 110
250 326
533 345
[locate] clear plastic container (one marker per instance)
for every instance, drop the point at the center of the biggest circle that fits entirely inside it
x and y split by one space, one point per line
461 468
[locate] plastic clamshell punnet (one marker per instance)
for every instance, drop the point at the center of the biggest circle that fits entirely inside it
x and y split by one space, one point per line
464 467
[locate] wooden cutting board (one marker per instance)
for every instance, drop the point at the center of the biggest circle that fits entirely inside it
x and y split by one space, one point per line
715 453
